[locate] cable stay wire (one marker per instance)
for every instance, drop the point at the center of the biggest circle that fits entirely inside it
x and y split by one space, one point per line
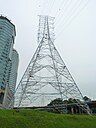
68 23
71 12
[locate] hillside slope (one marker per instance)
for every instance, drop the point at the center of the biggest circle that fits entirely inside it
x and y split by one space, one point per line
41 119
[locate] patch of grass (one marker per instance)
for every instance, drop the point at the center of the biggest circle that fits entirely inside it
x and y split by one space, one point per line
39 119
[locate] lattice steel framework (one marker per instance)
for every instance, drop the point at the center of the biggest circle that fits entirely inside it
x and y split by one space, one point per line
46 77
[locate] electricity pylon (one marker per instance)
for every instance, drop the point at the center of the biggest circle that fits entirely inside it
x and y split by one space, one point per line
46 77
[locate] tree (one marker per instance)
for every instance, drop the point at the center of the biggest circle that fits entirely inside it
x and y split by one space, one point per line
86 99
56 101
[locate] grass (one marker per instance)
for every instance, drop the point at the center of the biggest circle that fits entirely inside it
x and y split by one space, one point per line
41 119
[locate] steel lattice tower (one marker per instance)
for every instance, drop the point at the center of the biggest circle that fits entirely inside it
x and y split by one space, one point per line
46 77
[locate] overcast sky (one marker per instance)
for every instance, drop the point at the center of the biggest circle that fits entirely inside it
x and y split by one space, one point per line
75 30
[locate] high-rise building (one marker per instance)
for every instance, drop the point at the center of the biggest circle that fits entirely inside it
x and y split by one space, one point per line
11 84
7 36
14 68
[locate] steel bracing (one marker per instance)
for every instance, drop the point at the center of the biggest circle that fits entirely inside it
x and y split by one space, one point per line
46 77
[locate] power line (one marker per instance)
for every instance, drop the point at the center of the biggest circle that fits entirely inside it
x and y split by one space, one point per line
64 2
51 6
71 11
42 9
63 12
73 18
60 5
